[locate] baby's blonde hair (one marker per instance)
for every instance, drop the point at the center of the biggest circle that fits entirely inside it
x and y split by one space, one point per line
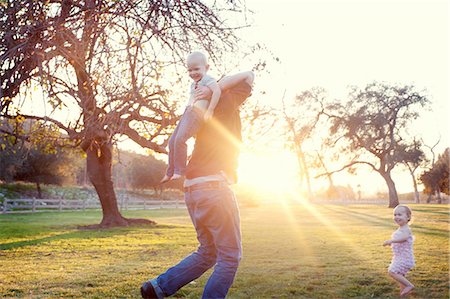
407 209
197 54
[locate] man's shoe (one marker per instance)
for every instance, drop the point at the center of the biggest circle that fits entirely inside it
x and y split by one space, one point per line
147 291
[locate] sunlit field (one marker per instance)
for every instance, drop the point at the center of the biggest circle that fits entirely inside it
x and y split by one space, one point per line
290 251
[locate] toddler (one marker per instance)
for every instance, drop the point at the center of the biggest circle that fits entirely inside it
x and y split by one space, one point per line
402 248
196 112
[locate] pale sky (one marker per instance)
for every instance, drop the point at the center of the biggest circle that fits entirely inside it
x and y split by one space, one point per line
338 43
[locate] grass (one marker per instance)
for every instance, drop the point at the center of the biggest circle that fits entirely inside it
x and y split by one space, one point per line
290 251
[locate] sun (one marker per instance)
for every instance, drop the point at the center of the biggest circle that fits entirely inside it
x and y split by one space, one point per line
268 171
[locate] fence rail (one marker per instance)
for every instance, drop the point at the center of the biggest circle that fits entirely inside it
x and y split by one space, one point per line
32 205
359 201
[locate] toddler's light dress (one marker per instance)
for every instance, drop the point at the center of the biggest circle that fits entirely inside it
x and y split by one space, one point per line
403 258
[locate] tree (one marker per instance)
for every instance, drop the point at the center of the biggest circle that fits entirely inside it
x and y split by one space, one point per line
12 149
41 167
104 62
433 160
301 119
371 125
436 179
412 157
36 158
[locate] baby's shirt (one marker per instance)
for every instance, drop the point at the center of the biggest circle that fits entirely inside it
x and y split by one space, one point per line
206 80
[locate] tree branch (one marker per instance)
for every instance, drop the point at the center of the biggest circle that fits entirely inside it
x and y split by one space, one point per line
347 166
72 133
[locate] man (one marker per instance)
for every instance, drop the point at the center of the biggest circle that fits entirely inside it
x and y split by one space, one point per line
210 201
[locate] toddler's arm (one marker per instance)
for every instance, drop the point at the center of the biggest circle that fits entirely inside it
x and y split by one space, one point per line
216 92
402 236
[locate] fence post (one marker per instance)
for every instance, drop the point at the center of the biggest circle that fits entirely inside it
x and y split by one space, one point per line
5 205
34 205
176 203
84 205
60 204
161 203
121 203
126 203
144 203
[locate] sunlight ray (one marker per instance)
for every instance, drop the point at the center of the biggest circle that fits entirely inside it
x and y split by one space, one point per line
225 132
346 238
299 234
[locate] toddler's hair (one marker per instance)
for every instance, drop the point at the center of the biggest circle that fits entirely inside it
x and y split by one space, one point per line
407 209
197 54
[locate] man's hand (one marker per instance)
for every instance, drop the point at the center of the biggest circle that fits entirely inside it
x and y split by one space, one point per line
202 93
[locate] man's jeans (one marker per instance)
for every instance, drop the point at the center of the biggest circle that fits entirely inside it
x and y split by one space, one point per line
215 216
187 127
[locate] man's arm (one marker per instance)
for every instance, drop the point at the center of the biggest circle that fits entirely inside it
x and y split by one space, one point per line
203 92
230 81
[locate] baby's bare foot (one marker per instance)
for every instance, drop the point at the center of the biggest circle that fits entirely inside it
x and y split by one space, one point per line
406 290
176 176
165 179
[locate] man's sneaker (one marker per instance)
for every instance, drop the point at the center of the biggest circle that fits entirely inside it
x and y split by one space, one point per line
147 291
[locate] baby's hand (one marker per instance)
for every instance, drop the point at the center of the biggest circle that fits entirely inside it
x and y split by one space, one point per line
387 242
208 114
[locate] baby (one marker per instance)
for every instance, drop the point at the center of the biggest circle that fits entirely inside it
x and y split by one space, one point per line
196 112
402 248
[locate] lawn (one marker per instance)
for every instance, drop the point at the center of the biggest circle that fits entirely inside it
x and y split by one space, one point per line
290 251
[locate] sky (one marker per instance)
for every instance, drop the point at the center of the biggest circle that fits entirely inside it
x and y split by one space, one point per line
338 43
334 44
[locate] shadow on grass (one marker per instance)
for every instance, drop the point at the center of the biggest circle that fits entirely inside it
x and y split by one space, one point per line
380 221
431 211
83 234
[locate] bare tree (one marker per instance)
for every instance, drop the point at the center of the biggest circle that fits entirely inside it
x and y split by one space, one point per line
432 189
412 156
104 62
301 117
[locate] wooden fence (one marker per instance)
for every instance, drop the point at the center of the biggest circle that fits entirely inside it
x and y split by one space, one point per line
125 203
373 201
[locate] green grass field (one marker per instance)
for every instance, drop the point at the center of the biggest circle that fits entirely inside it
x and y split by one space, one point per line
292 251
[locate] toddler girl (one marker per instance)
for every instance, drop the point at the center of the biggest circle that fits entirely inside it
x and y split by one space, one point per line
402 248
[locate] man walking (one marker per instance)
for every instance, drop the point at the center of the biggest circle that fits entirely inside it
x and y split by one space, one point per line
210 201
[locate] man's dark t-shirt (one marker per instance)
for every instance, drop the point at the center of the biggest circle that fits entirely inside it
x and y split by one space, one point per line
217 143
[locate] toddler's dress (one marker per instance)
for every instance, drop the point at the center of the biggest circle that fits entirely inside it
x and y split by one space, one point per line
403 258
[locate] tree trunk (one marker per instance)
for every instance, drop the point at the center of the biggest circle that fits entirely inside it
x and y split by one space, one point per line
438 192
304 170
99 166
416 191
332 192
393 196
329 175
38 187
307 177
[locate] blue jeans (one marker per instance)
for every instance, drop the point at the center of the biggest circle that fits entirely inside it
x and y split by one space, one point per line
215 216
187 127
